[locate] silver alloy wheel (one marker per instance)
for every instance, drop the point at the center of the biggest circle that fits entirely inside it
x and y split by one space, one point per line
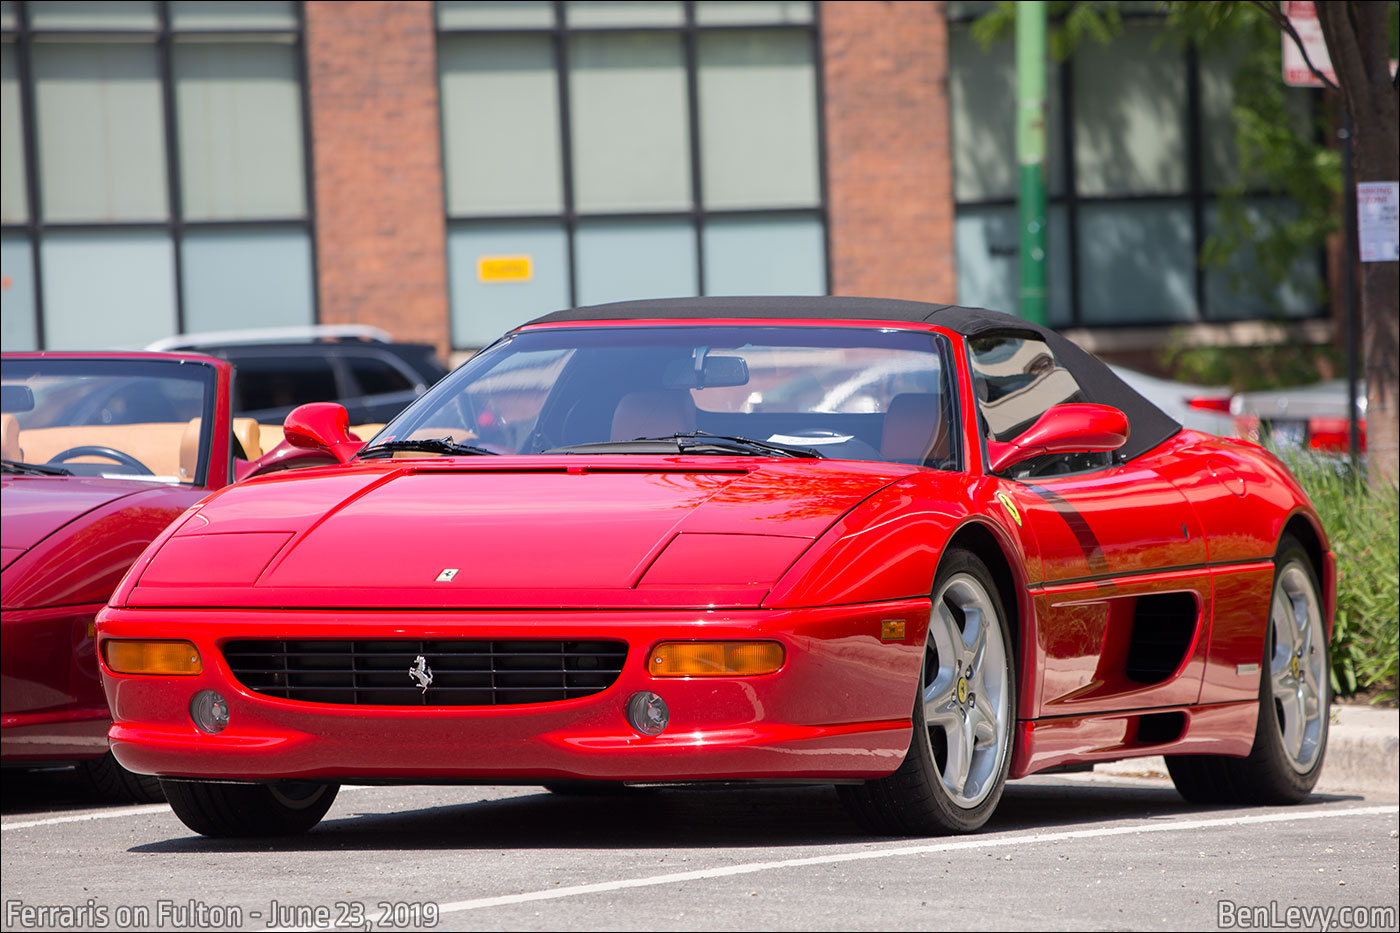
965 695
1297 666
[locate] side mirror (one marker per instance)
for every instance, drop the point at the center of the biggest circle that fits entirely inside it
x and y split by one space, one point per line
322 426
1074 428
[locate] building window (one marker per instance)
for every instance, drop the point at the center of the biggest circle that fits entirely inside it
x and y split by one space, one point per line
602 151
155 173
1139 147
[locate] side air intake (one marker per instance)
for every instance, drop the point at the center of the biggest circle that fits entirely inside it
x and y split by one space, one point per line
1164 628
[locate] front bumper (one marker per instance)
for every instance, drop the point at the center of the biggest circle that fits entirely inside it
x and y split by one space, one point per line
838 709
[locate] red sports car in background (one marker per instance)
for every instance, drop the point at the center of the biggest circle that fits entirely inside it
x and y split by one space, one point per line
914 550
101 452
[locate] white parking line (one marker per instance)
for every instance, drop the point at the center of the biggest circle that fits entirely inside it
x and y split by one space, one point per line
986 842
84 817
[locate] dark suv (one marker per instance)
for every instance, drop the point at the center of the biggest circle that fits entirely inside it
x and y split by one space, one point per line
279 369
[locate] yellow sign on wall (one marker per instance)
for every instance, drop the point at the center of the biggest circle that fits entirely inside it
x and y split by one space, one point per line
504 268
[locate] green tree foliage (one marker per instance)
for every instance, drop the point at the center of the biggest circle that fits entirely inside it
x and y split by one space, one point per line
1282 142
1281 138
1251 368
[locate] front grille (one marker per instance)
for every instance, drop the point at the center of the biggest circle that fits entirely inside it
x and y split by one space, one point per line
464 673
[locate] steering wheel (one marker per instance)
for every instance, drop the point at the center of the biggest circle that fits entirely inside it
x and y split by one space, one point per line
96 450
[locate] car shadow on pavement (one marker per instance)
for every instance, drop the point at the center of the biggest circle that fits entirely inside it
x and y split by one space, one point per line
695 818
48 791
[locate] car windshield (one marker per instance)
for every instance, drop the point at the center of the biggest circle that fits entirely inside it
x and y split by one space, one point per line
115 418
830 392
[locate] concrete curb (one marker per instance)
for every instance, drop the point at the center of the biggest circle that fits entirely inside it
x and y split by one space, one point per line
1363 751
1363 755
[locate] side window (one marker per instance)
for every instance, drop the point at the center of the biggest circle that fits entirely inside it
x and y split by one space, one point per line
283 382
377 376
1017 379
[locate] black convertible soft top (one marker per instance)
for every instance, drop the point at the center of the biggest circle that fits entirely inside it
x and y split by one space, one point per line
1149 425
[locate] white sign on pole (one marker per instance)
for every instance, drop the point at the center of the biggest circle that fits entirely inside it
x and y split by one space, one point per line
1303 17
1378 220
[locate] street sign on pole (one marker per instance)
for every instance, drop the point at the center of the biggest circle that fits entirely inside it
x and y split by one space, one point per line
1296 73
1378 220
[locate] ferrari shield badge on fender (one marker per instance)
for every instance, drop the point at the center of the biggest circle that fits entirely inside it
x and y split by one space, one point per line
1005 500
421 672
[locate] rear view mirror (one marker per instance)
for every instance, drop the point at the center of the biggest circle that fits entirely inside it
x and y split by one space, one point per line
15 398
714 372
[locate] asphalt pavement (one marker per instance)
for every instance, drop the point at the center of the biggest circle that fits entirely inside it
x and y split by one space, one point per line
1116 848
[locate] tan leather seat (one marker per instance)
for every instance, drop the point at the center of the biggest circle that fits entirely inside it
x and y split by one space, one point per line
9 425
245 430
914 429
366 431
189 450
653 414
269 436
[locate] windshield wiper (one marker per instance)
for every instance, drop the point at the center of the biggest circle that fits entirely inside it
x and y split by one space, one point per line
692 442
430 445
34 469
737 443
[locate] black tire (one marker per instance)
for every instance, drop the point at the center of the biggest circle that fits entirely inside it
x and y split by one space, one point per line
287 808
916 799
110 781
1272 773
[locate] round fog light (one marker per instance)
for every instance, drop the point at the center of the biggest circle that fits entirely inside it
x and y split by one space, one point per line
647 713
209 711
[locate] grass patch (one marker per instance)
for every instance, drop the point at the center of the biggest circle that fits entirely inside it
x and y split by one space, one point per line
1363 523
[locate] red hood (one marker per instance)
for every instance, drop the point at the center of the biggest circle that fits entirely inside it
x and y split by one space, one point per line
622 531
37 506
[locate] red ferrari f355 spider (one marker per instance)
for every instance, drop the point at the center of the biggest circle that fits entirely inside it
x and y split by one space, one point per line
913 550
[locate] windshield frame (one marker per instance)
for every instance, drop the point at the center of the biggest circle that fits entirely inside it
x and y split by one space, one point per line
21 367
937 343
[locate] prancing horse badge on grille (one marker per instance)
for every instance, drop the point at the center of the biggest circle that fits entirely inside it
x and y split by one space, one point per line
421 672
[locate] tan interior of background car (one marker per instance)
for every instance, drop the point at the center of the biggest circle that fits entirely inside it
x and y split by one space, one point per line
9 437
165 448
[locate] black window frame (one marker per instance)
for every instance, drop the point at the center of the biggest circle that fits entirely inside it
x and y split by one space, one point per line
697 215
34 227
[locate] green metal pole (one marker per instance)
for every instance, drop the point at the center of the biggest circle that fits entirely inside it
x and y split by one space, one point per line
1030 154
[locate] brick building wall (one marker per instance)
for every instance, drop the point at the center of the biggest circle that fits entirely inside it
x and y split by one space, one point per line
380 239
375 130
889 159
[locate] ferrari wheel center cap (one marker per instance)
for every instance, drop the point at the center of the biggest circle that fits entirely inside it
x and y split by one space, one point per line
962 689
1293 665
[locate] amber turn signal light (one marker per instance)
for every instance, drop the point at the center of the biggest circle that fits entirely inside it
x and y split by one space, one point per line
715 658
130 656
